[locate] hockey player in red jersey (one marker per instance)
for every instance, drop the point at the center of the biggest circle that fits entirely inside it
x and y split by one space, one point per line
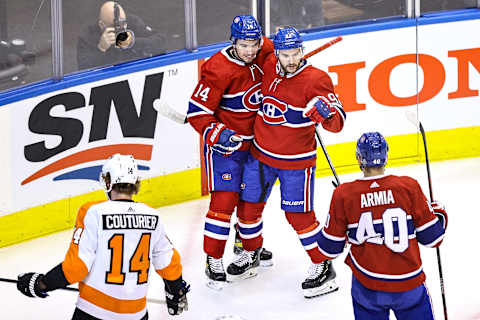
383 217
114 244
222 109
296 98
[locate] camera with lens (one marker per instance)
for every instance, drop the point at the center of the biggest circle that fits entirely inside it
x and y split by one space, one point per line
121 31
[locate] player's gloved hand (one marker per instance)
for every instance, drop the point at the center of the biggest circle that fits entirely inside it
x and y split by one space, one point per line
440 212
29 285
176 293
319 109
222 139
107 39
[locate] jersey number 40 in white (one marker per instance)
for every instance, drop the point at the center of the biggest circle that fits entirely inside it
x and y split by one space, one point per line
366 229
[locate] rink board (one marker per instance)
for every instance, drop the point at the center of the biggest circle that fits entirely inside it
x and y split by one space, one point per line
60 136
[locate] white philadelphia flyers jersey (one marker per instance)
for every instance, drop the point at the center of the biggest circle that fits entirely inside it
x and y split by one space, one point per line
113 246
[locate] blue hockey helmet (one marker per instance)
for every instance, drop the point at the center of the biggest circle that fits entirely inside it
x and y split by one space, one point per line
245 27
287 38
372 149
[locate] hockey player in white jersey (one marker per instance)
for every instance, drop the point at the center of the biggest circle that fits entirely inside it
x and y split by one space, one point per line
113 246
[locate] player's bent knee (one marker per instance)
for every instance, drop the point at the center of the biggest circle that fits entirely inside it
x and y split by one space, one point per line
301 220
250 211
223 201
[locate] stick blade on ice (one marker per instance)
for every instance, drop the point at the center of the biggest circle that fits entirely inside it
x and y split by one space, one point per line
412 117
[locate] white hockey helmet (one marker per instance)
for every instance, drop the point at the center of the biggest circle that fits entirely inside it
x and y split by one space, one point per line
120 169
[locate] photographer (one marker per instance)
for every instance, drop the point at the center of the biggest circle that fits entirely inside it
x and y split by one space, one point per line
115 39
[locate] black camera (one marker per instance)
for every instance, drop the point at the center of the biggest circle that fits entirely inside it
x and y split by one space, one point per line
121 31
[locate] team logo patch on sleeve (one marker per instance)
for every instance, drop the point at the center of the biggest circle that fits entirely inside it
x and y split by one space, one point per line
227 176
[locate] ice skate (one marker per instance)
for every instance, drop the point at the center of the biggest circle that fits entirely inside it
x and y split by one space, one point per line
216 277
245 266
266 256
320 280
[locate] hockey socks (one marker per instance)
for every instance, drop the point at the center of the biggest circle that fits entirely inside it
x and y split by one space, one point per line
217 222
308 230
250 224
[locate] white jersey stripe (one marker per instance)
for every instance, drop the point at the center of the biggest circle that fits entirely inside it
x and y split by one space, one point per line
201 106
285 156
382 275
215 235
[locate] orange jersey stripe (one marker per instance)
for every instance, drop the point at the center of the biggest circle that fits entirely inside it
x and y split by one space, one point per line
73 267
213 214
174 270
109 303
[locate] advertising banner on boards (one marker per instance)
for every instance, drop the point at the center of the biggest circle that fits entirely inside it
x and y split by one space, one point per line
58 140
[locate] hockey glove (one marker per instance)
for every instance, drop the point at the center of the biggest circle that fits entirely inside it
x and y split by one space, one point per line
222 139
29 285
319 109
441 213
176 293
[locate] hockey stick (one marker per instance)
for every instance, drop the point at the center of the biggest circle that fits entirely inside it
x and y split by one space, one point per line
167 111
158 301
335 183
413 119
323 47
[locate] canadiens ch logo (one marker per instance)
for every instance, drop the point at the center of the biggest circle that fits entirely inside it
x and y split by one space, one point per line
273 110
72 161
252 98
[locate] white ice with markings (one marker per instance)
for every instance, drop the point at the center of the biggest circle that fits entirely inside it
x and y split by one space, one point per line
276 293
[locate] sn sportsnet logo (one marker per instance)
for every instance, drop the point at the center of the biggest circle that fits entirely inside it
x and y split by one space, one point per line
293 202
81 158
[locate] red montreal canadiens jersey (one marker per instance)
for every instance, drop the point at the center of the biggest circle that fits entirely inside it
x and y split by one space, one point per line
284 139
228 92
384 218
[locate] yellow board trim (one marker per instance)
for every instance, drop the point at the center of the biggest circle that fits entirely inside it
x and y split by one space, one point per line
407 149
60 215
183 186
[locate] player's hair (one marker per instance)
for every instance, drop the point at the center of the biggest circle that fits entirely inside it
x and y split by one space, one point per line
127 188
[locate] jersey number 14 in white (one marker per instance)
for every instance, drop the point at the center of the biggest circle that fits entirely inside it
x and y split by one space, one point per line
203 93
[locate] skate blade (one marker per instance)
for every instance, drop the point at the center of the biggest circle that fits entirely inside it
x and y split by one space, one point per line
250 273
327 288
266 263
216 285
